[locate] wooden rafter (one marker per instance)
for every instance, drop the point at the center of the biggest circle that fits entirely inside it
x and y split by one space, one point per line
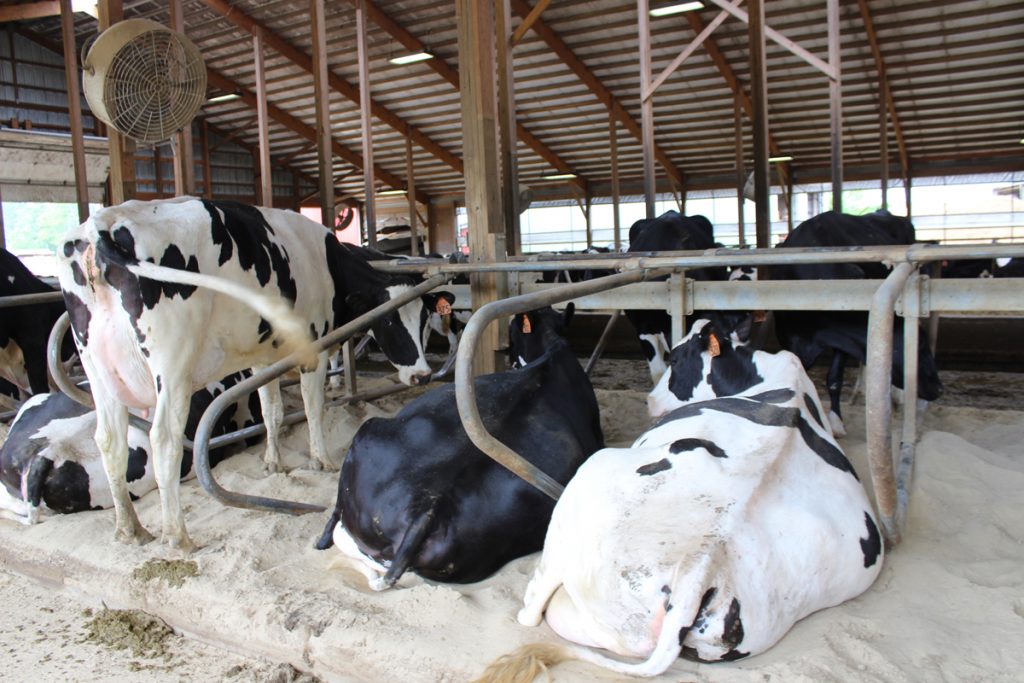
576 65
304 130
31 10
869 29
338 84
523 27
448 73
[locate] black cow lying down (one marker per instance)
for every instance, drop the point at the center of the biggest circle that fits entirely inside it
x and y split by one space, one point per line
50 462
416 494
809 333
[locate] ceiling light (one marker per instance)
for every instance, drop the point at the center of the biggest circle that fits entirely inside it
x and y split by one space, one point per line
559 176
223 98
410 59
678 8
390 193
779 159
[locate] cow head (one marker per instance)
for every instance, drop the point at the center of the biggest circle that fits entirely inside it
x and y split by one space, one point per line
706 364
399 333
437 304
532 334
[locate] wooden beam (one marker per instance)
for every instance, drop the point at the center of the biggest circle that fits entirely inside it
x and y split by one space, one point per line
613 145
363 59
533 16
646 106
507 122
121 149
324 141
448 73
218 80
741 168
67 29
266 175
759 99
184 154
204 143
410 194
32 10
603 94
835 104
238 17
876 52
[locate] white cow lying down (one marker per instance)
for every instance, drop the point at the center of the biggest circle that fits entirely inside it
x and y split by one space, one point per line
728 521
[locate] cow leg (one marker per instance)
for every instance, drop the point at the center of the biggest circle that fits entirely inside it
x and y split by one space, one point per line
172 405
834 381
112 442
312 384
542 586
273 414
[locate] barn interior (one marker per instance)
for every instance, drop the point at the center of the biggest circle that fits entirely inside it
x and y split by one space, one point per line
477 112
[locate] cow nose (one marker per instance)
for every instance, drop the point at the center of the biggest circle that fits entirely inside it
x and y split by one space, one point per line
421 379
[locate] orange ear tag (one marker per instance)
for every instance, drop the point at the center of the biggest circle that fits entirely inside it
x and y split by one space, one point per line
713 348
760 316
443 307
526 325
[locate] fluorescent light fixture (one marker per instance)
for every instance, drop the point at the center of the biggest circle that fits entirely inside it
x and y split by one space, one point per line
390 193
559 176
1022 141
676 9
776 160
410 59
223 98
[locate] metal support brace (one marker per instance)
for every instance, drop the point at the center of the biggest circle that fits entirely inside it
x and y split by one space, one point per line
878 373
602 342
204 433
465 392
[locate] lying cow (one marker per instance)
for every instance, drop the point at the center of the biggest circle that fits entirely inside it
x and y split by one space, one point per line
810 333
728 521
668 232
416 494
49 461
24 330
153 322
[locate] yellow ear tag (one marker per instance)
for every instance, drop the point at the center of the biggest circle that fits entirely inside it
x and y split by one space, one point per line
713 348
526 325
443 307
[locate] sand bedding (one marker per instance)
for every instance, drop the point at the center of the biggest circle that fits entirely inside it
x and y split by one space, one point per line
948 605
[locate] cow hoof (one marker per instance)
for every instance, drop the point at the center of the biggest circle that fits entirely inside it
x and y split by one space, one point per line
325 465
272 468
836 422
183 545
379 584
136 536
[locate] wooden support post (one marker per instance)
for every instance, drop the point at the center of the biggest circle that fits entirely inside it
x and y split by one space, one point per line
907 190
759 98
883 139
158 172
67 27
587 214
507 127
266 173
614 144
414 238
181 143
204 143
476 27
3 234
835 102
646 106
325 179
741 169
370 206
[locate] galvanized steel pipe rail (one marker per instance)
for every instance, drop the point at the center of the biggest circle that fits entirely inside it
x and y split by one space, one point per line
465 392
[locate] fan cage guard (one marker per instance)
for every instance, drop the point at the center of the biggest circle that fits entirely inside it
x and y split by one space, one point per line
154 86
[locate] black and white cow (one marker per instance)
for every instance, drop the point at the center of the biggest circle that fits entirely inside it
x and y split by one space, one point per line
670 231
725 523
24 330
1013 268
50 463
809 333
162 297
416 494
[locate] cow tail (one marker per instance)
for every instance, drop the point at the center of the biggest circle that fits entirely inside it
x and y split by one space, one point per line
409 547
33 483
327 537
288 326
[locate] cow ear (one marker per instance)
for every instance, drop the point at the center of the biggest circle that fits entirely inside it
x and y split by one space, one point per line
570 310
743 329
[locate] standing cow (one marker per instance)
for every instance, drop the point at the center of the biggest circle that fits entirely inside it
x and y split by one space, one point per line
24 330
729 520
49 460
161 296
809 333
670 231
415 493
